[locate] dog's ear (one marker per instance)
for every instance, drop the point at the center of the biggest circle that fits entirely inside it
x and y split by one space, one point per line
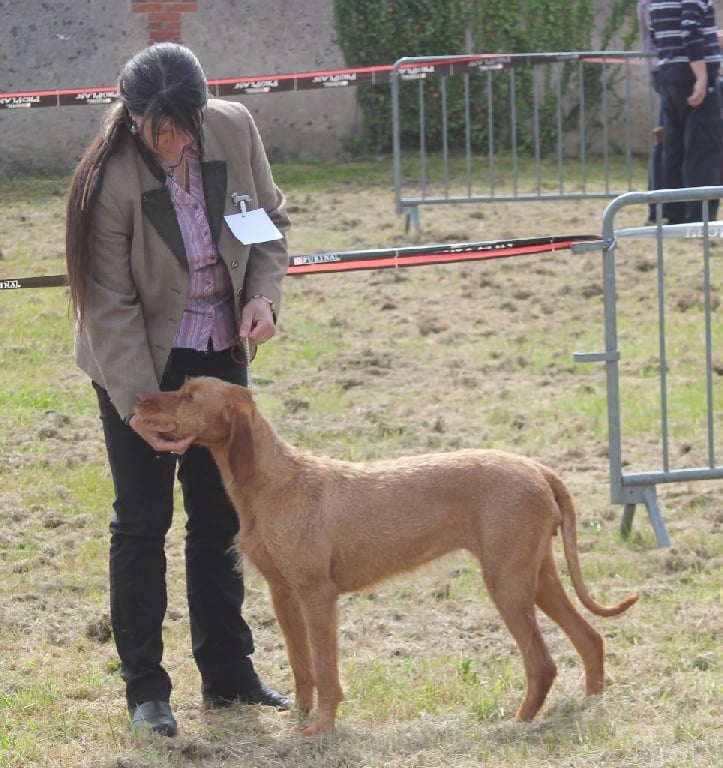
241 454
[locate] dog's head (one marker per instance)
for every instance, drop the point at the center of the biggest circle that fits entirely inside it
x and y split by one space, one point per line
215 412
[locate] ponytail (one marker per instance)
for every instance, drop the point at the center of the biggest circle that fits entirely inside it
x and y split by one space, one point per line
83 190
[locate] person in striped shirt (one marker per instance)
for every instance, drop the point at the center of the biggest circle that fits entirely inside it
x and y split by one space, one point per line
685 35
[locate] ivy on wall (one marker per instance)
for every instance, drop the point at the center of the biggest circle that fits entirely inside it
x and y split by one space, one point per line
373 32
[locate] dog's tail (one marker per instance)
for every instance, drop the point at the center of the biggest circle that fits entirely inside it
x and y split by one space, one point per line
569 540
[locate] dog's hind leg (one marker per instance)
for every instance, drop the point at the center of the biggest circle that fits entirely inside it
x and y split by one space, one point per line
319 606
513 592
553 600
293 627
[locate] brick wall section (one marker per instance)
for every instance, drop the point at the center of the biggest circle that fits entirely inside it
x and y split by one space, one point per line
164 18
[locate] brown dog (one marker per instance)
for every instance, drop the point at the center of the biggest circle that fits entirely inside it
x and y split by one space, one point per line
315 528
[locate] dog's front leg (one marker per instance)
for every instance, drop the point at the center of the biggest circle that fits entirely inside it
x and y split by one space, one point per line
293 626
319 607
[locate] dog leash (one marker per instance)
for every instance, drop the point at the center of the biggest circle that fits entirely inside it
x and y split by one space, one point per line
245 358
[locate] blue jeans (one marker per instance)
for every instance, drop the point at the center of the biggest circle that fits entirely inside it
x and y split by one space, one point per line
143 482
691 147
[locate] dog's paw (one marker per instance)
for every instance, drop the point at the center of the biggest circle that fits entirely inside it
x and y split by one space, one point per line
304 702
319 727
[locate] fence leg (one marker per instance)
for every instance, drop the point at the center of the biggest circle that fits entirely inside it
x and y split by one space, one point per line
656 518
626 524
411 216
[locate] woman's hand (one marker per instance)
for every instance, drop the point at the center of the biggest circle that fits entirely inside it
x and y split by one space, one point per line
156 440
257 321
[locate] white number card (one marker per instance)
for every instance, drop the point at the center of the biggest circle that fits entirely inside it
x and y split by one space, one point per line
253 227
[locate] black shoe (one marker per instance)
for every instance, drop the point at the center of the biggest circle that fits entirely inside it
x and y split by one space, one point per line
259 694
156 715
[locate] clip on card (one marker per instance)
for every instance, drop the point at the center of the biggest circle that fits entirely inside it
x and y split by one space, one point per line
240 201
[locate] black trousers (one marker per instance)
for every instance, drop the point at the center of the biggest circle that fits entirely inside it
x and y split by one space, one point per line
691 148
143 481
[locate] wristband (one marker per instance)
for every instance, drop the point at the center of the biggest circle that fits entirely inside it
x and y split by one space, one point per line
269 301
266 299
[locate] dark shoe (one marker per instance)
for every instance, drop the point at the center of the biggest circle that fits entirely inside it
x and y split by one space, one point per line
260 694
156 715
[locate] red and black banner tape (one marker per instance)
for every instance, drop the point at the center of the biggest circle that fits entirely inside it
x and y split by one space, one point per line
389 258
437 66
429 254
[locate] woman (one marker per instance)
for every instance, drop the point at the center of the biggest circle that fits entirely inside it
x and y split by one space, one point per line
162 289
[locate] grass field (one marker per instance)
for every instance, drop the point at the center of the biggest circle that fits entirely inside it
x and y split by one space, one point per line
377 364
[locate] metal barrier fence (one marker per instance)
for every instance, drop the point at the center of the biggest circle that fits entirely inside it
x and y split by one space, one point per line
631 488
567 119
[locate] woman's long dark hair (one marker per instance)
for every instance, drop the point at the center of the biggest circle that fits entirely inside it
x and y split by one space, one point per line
164 81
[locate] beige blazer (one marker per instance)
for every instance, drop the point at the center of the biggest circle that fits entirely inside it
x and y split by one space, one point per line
139 273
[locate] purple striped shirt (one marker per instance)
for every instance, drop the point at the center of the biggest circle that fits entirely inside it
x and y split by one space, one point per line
209 311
